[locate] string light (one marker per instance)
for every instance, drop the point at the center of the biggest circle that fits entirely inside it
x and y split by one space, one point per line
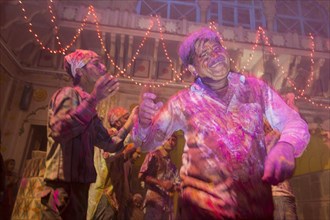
291 83
122 71
300 92
178 75
78 32
311 77
62 50
53 20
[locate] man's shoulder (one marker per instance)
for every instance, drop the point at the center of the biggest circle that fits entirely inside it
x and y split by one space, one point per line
63 94
63 90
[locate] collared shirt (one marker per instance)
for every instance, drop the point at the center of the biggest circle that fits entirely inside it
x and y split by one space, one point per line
73 130
162 168
224 152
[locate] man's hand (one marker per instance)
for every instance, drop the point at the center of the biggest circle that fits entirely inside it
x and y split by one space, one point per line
148 109
279 164
129 123
167 185
106 85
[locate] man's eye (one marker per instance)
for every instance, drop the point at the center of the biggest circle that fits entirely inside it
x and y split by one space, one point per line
203 54
217 49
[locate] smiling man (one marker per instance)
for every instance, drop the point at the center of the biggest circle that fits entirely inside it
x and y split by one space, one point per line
226 172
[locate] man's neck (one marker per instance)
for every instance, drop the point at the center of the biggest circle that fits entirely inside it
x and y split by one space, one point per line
219 87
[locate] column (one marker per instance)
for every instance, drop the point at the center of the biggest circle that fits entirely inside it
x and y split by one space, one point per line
204 6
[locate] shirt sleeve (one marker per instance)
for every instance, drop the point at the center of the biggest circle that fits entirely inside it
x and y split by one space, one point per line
164 123
293 129
103 140
149 164
69 116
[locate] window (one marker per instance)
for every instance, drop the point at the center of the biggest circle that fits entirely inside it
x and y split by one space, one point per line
172 9
303 17
233 13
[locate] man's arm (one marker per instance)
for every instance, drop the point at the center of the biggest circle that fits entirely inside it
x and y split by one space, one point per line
155 124
69 116
280 161
293 129
148 174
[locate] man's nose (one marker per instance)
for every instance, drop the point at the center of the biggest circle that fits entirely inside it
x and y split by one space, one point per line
214 53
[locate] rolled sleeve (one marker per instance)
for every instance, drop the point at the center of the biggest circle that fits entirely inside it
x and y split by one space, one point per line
294 130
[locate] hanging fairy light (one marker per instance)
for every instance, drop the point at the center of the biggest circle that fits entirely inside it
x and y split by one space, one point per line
78 32
311 77
213 26
53 20
300 92
178 75
121 71
62 49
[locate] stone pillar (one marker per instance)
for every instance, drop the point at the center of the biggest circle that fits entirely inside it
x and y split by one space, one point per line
121 51
204 6
315 81
236 56
129 54
154 61
285 61
112 51
270 11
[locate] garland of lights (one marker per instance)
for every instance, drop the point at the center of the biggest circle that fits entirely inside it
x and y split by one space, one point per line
311 77
179 75
62 50
301 95
291 83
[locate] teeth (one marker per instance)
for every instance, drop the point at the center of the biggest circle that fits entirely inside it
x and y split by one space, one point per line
216 61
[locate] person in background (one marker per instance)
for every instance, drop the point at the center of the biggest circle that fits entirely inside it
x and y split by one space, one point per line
2 179
111 195
73 129
11 188
160 176
226 172
283 197
137 212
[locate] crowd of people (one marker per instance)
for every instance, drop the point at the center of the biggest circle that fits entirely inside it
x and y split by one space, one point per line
227 169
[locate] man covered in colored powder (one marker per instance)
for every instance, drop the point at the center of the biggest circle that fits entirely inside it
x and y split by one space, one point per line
74 128
226 172
111 195
160 176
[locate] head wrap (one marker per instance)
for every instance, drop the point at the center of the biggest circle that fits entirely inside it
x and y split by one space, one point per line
115 113
79 59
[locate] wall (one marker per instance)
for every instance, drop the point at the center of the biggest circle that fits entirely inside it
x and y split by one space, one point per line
311 183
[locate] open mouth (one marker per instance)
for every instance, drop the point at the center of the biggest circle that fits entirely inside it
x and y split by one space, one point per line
216 61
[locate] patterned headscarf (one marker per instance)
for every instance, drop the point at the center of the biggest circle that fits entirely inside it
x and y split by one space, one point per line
115 113
79 59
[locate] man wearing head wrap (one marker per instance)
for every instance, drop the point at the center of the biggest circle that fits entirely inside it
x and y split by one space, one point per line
226 172
111 195
74 128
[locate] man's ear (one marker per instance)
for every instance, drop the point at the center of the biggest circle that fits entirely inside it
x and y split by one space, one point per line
79 71
192 70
